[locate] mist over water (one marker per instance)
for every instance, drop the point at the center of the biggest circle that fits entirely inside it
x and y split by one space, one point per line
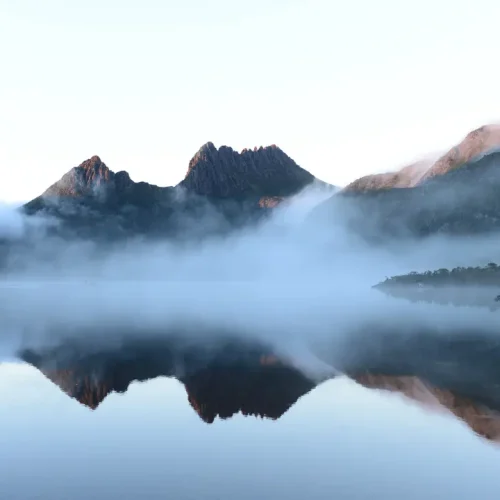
292 281
300 286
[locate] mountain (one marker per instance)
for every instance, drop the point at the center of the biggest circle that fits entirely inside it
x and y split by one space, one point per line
261 172
476 143
456 196
409 176
229 188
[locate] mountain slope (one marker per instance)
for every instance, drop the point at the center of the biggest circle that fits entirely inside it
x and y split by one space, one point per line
476 143
460 200
408 176
223 189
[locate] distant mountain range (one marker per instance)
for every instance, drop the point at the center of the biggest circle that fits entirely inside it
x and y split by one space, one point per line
222 189
456 195
476 143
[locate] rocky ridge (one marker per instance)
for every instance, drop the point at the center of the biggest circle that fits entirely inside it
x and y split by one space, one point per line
222 190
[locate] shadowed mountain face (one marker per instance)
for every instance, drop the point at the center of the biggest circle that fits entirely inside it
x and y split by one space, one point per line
262 172
459 372
222 190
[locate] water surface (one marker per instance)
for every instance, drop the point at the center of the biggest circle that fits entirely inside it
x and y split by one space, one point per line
339 440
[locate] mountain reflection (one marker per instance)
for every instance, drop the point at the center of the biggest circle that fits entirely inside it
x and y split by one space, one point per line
222 378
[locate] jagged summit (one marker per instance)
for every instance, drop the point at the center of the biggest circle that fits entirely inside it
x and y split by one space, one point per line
93 201
263 171
82 180
214 172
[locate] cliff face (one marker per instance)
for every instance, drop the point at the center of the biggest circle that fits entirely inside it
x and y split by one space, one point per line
262 172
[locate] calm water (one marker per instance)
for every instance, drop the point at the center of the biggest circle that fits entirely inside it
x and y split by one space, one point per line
76 424
339 440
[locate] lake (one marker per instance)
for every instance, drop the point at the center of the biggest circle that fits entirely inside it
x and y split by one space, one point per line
196 392
338 440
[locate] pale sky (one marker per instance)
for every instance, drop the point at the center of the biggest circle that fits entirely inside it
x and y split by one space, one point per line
345 88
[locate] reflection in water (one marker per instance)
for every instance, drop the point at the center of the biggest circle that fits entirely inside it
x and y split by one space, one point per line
220 381
340 440
228 377
481 419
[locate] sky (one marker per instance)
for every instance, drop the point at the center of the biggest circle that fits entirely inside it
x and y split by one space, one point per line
344 88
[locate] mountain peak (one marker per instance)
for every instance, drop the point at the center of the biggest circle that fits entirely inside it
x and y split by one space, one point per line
263 171
92 162
207 148
82 180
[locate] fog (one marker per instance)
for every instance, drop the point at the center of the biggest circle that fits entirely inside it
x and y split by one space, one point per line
292 281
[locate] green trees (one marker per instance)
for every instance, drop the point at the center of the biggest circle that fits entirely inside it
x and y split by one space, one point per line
477 276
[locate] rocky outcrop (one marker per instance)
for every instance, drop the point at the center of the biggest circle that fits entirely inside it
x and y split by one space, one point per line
261 172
